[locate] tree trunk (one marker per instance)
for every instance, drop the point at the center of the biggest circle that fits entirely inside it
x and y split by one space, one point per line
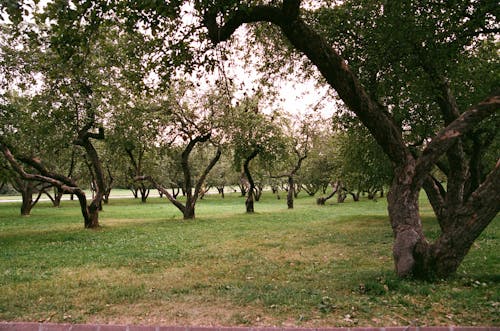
27 202
95 168
92 222
296 191
58 194
144 193
243 189
249 202
291 192
406 226
321 200
258 192
341 192
355 196
90 212
310 189
27 188
189 210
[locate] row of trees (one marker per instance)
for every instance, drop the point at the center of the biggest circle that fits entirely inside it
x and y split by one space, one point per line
420 77
172 152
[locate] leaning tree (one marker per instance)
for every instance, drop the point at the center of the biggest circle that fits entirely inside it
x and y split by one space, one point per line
466 212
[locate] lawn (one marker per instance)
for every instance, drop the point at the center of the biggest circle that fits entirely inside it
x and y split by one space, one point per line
311 266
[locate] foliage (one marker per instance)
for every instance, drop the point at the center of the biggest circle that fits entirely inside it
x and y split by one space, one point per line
359 162
401 57
252 130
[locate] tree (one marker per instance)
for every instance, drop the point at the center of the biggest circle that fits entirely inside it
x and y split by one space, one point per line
318 170
190 124
76 66
133 136
222 175
254 134
437 51
301 133
413 254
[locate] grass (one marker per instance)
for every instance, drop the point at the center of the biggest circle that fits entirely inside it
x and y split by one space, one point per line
311 266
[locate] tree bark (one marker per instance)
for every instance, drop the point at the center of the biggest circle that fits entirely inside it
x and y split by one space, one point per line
322 200
220 189
144 193
27 200
58 194
291 192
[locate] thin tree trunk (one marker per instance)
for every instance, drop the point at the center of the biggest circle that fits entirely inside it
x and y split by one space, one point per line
249 202
58 194
291 192
144 193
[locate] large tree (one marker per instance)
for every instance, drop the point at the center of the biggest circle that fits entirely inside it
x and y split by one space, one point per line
466 216
457 28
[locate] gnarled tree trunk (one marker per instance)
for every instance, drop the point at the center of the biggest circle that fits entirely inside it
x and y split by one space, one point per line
95 167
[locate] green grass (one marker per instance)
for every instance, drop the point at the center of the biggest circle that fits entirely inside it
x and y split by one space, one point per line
311 266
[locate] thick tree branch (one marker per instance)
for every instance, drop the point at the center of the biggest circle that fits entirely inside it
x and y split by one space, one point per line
38 165
205 173
244 15
449 135
291 8
163 190
485 201
132 160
